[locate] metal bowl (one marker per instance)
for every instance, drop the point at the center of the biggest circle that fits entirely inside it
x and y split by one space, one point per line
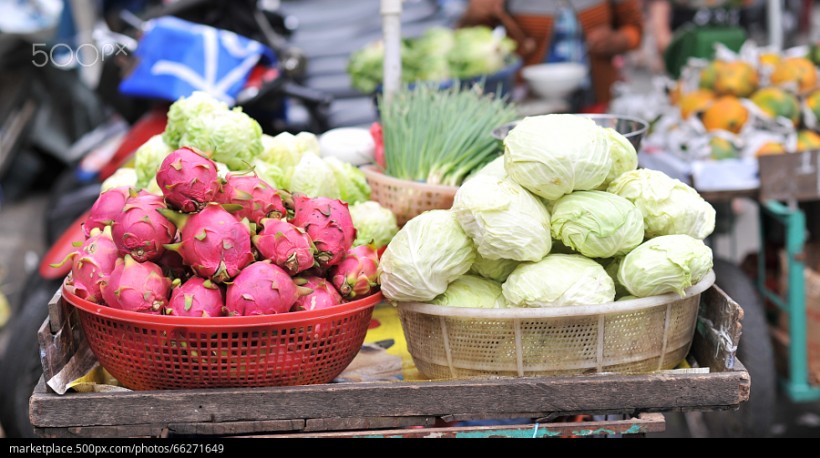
633 129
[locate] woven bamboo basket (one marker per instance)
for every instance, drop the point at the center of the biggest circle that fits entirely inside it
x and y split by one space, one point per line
629 337
407 199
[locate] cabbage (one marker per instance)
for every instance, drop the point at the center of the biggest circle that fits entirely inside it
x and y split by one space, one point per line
665 264
428 253
494 168
307 142
148 158
228 136
478 51
624 156
313 177
552 155
494 269
374 224
558 280
123 176
597 224
269 173
472 291
668 205
284 151
503 219
352 183
611 266
186 108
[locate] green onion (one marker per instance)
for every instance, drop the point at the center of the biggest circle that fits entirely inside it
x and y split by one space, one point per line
439 136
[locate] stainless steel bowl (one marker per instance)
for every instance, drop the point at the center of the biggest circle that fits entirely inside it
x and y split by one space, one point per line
633 129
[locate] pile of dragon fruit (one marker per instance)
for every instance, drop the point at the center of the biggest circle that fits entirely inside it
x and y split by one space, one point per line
211 246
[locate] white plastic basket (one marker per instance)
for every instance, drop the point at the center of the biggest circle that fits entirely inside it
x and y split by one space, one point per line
633 336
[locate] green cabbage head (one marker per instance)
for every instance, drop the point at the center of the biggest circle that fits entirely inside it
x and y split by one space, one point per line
668 205
123 176
313 177
665 264
597 224
228 136
472 291
352 183
624 156
183 110
559 280
374 223
555 154
494 269
148 158
504 220
425 256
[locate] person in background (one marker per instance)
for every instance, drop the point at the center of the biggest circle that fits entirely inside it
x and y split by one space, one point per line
593 32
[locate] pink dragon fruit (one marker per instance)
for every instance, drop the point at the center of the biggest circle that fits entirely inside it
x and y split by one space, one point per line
357 275
136 287
173 266
213 243
324 295
93 263
288 246
262 288
329 225
258 199
188 180
140 230
105 209
197 297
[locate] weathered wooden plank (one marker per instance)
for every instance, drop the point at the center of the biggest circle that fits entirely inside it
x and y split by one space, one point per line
645 423
790 176
365 423
545 395
235 427
131 431
718 330
64 353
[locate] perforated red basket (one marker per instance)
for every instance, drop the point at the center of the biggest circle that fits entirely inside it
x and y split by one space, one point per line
155 352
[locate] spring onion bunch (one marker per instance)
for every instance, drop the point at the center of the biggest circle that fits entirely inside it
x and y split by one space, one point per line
440 136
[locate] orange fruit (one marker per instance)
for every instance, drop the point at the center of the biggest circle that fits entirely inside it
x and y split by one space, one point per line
796 69
725 113
695 101
775 102
807 140
736 78
722 148
769 148
709 74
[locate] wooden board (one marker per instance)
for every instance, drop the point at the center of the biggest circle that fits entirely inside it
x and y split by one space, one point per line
390 405
790 176
718 330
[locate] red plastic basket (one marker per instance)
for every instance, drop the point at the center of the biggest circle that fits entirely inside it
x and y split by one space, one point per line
155 352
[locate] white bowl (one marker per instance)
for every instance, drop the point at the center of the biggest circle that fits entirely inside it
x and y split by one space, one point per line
554 81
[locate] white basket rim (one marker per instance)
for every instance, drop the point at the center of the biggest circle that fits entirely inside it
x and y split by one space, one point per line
632 305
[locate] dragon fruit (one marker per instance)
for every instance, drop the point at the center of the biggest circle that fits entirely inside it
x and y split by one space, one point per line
324 295
93 263
197 297
262 288
212 242
288 246
328 223
136 287
173 266
188 180
258 199
105 209
140 230
357 274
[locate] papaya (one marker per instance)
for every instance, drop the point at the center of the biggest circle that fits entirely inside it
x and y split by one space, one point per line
770 148
796 69
695 101
775 102
813 102
807 140
736 78
725 113
722 148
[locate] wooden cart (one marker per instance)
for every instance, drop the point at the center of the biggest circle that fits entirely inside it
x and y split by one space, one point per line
717 381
